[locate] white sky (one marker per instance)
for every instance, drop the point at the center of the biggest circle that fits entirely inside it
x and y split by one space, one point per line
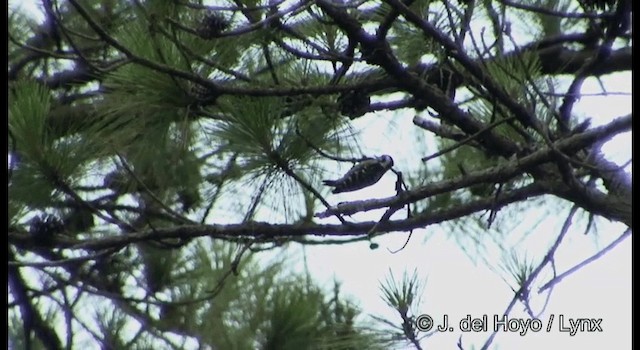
456 286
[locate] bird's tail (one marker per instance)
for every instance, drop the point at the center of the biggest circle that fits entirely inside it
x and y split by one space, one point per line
330 182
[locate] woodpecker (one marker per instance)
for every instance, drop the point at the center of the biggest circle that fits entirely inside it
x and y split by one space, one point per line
361 175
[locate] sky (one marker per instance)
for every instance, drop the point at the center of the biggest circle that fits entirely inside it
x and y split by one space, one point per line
456 285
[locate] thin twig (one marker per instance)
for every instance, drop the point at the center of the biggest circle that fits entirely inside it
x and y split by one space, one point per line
587 261
325 154
526 285
468 139
163 205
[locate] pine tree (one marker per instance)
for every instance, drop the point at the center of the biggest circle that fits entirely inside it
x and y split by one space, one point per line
157 148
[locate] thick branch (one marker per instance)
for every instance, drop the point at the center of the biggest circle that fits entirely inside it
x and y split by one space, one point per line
610 206
499 173
378 52
263 230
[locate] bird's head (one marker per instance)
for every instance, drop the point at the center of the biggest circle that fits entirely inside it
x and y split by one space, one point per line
386 161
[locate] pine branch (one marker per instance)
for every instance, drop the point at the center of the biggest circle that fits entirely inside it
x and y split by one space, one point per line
522 294
267 231
608 248
32 319
500 173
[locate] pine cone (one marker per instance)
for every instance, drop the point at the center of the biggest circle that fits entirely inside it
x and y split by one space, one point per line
43 227
212 25
79 220
202 94
597 5
354 103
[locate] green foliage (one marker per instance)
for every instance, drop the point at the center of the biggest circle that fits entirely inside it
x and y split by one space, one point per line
19 27
124 140
158 265
411 44
145 96
293 323
29 186
302 318
520 76
273 149
263 306
404 297
404 294
519 267
515 74
464 160
29 104
41 160
251 126
113 324
254 128
161 8
551 25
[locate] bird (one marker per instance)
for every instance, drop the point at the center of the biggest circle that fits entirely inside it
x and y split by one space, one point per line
361 175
